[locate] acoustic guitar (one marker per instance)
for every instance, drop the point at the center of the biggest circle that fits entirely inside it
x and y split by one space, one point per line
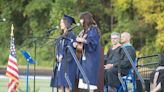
80 46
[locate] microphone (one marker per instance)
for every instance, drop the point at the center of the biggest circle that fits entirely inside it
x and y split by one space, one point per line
57 27
77 25
50 30
2 20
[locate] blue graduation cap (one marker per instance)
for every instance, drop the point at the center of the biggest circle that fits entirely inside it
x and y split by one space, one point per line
69 19
28 57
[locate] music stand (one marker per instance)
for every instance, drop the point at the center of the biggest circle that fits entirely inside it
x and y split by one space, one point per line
29 61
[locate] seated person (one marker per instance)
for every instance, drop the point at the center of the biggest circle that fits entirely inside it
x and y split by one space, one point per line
117 57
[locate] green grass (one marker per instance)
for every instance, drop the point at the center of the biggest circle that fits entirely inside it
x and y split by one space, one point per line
41 86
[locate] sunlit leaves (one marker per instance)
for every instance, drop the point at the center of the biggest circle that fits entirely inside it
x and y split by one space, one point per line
160 41
152 11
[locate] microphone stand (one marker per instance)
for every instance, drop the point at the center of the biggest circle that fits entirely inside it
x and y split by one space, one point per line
75 58
35 50
54 66
78 65
57 65
65 71
65 63
56 42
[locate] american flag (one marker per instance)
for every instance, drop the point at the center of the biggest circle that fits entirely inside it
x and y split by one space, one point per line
12 67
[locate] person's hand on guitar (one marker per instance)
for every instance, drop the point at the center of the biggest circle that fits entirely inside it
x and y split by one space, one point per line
80 39
74 44
79 45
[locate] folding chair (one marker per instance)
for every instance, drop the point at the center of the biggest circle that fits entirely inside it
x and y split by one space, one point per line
105 88
129 78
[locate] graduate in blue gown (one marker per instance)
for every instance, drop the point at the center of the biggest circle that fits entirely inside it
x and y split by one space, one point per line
90 59
58 78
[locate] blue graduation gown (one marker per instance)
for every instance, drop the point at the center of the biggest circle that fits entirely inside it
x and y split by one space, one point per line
58 79
92 54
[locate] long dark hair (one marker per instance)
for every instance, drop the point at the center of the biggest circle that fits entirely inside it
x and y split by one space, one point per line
67 24
88 21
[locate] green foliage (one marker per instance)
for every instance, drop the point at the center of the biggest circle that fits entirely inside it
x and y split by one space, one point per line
37 12
142 18
61 7
152 11
160 41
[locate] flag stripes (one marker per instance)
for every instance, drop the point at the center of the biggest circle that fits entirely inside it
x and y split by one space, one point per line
12 68
12 86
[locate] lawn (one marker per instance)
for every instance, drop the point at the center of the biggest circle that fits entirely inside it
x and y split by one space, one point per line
42 85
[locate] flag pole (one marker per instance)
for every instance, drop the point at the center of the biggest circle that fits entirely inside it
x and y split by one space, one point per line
12 67
12 28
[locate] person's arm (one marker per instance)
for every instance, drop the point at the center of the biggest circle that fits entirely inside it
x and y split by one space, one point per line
106 57
157 88
108 66
160 68
92 40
